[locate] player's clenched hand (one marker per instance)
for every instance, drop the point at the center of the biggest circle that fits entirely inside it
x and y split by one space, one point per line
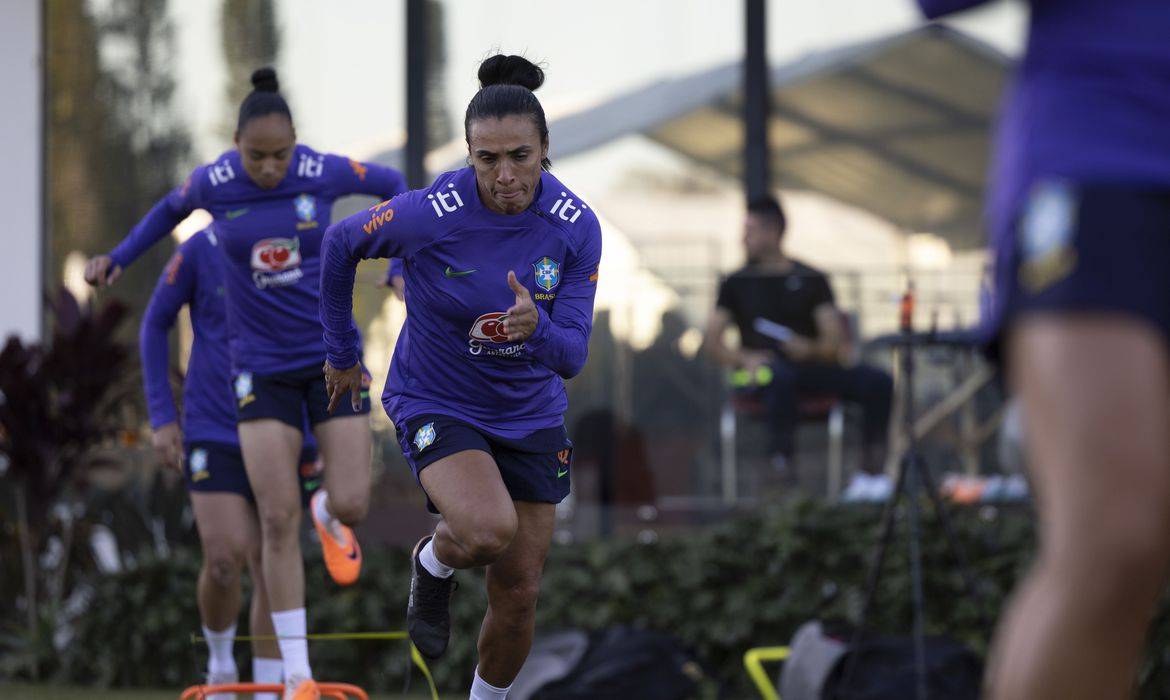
100 271
340 381
522 317
168 445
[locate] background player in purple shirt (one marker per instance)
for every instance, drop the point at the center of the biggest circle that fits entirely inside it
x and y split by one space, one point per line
1080 217
500 264
271 199
207 450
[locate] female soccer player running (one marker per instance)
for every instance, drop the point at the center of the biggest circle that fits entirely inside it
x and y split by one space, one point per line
501 269
207 450
271 200
1081 223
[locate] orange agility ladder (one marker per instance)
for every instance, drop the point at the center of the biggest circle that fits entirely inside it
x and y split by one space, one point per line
335 691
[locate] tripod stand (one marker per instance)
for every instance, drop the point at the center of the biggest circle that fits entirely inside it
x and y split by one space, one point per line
913 474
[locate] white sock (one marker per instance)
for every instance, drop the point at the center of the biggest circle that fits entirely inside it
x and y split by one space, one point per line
431 563
295 651
219 646
482 690
321 512
268 672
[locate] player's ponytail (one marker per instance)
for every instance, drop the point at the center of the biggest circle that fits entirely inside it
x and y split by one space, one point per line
264 99
506 88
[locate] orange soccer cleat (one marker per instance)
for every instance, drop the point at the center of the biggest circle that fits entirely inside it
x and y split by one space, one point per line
301 689
343 556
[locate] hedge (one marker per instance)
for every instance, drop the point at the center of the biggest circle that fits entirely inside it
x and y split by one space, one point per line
746 582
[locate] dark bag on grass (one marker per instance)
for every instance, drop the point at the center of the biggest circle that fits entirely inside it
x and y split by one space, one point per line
622 663
818 667
885 671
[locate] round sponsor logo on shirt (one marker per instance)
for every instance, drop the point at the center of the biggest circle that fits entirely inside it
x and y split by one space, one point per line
490 327
276 254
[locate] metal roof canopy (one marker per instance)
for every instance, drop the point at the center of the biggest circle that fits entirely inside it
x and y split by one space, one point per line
898 126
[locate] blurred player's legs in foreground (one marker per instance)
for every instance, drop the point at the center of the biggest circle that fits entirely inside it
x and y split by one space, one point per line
1096 393
483 526
272 453
229 535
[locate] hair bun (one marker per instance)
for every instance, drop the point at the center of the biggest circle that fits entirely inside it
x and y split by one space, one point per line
510 70
264 80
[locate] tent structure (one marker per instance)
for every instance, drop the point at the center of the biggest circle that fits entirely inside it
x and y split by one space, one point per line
898 126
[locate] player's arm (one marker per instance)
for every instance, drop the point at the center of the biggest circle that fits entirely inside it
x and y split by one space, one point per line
825 347
158 222
715 337
933 9
354 177
386 230
560 339
830 333
176 287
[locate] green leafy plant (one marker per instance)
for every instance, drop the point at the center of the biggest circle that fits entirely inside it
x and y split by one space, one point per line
747 582
750 581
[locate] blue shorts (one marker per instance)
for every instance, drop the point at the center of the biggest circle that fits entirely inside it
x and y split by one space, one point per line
291 397
1085 248
534 468
216 467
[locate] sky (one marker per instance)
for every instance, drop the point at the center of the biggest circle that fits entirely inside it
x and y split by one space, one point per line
342 63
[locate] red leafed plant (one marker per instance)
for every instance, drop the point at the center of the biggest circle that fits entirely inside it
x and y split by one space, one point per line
57 401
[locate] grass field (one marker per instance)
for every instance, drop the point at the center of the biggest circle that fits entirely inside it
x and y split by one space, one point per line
58 692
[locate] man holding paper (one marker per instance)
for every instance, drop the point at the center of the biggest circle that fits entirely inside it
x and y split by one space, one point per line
793 344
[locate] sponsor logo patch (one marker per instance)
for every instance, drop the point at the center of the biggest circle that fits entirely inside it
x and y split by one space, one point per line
453 274
448 202
197 462
358 169
276 254
566 210
1046 232
243 385
306 208
276 262
378 219
424 437
487 333
547 272
490 327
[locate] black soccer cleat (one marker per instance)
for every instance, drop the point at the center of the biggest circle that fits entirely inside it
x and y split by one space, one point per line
428 612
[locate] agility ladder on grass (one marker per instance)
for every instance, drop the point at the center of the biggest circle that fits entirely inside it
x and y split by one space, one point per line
329 690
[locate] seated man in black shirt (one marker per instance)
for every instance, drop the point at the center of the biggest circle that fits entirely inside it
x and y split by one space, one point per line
809 360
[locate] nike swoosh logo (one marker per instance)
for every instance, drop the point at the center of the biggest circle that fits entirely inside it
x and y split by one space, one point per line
562 472
452 273
235 213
